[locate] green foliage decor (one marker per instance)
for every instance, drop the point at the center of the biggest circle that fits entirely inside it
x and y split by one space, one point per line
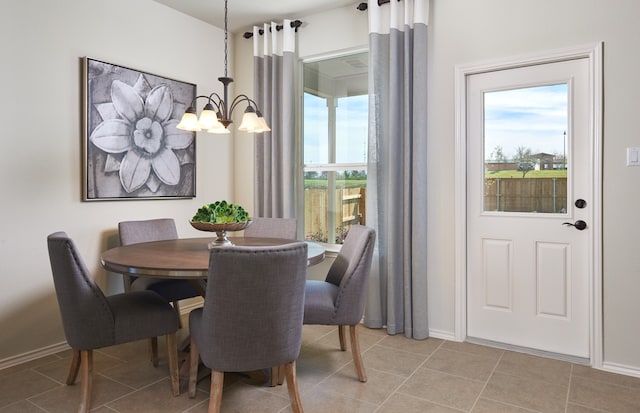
221 212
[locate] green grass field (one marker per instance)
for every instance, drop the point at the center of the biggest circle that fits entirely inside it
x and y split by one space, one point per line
340 183
556 173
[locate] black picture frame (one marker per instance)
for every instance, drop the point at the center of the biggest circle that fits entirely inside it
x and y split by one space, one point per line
131 147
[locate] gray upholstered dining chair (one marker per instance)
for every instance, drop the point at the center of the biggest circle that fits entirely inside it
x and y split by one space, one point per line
134 232
272 228
339 299
252 315
92 320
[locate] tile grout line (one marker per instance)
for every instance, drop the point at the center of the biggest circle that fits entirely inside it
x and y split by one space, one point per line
395 391
347 363
28 399
191 409
513 405
566 401
317 385
133 389
49 378
486 383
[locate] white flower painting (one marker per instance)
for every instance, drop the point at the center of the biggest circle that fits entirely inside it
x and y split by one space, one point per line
133 148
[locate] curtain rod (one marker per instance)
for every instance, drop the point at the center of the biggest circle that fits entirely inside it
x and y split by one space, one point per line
294 25
364 6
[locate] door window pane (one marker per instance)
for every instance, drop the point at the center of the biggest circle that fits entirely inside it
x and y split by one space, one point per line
525 149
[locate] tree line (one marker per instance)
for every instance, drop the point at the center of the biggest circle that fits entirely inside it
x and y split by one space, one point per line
523 158
354 175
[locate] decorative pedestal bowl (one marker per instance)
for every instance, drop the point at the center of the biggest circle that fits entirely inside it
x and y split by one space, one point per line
220 230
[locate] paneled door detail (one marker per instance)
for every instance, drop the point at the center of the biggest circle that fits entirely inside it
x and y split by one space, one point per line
529 188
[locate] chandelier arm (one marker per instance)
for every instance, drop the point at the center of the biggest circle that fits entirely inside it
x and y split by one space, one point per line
193 102
219 103
242 98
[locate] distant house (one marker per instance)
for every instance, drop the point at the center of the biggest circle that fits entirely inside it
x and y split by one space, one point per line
543 161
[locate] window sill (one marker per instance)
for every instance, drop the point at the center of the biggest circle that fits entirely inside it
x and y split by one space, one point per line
331 250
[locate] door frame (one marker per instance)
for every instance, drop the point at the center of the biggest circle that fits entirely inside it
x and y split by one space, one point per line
592 52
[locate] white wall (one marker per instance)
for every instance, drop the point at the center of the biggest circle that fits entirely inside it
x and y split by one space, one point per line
41 43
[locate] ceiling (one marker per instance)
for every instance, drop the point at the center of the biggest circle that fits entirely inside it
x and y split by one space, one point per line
243 14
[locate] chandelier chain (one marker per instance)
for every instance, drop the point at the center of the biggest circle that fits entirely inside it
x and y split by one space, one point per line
216 115
226 47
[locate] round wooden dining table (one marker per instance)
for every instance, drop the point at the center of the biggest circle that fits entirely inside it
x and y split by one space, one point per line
186 258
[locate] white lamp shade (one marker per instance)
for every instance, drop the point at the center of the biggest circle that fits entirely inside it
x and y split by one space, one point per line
249 122
189 122
262 125
218 128
208 119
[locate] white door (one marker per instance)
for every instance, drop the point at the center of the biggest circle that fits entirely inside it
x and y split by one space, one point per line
529 192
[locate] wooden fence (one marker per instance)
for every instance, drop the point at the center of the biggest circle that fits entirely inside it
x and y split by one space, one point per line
322 222
545 195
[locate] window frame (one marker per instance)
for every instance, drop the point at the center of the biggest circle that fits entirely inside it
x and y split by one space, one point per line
301 167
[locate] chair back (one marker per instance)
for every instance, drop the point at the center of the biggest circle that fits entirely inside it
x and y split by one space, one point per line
134 232
86 314
272 228
254 307
350 273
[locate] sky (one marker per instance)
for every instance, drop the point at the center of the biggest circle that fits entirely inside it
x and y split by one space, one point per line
351 129
533 117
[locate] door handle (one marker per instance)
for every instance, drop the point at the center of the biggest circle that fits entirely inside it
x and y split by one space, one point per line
579 224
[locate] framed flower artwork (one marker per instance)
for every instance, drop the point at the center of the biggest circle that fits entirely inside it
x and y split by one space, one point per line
132 148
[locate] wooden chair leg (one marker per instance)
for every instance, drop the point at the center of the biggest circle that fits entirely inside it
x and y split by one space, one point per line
153 350
355 350
292 387
275 374
75 367
176 307
341 335
281 374
172 351
215 400
86 377
194 360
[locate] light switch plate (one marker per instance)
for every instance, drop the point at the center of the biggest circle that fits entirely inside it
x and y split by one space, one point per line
633 156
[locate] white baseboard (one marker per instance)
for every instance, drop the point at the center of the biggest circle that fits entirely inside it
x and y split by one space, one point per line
621 369
444 335
33 355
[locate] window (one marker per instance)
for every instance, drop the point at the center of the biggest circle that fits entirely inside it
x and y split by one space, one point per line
335 135
525 149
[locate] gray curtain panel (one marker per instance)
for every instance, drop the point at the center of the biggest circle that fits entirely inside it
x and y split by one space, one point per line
274 91
397 170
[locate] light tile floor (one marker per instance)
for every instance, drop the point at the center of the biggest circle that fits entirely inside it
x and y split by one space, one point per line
403 376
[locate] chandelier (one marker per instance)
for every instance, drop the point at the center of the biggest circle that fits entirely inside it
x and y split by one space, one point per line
216 114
